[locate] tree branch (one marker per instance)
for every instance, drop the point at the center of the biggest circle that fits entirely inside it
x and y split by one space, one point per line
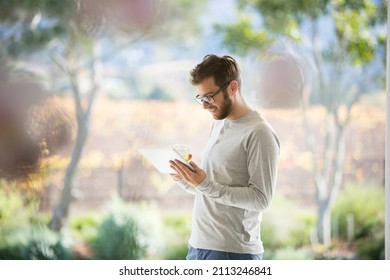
317 58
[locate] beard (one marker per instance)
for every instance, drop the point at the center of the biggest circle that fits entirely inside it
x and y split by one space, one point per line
225 108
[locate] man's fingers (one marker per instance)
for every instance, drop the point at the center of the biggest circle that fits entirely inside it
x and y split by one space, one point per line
181 165
185 172
175 176
177 168
195 166
192 177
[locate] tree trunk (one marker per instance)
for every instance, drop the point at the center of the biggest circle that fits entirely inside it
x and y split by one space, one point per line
328 177
324 223
329 181
62 209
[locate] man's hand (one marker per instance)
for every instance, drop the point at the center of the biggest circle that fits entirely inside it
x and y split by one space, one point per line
194 178
175 176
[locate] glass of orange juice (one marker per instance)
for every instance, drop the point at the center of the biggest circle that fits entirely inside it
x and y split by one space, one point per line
182 150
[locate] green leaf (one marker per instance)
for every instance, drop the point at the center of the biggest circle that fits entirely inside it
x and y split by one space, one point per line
241 38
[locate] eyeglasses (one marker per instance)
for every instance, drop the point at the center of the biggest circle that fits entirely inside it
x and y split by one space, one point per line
210 98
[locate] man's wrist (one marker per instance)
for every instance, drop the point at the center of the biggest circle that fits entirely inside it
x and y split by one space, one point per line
203 184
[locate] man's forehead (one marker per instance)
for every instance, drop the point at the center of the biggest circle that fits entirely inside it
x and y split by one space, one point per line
206 86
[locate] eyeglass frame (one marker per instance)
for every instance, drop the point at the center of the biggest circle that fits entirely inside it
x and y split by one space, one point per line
199 98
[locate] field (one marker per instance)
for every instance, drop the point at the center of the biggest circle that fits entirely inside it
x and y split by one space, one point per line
111 163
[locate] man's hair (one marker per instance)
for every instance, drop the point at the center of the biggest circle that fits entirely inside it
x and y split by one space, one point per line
223 69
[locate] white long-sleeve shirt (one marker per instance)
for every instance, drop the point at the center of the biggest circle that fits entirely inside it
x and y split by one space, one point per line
241 163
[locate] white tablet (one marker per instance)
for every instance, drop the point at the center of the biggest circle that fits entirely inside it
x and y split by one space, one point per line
160 157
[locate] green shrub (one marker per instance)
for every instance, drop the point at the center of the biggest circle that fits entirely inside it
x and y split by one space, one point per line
15 213
19 217
367 206
177 231
85 227
176 252
158 93
290 253
44 244
285 224
11 252
271 242
127 232
365 203
178 225
37 243
300 234
372 247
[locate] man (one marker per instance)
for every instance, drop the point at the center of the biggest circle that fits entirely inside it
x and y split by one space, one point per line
239 168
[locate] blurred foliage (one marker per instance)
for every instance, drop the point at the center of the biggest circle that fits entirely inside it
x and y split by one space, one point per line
291 253
36 243
151 92
16 213
366 204
138 231
127 231
23 229
300 235
352 22
241 38
22 28
176 252
70 41
286 229
85 227
285 224
177 231
157 93
169 241
355 37
32 25
45 244
180 23
372 247
178 225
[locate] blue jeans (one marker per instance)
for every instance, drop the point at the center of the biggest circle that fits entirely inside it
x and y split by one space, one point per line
203 254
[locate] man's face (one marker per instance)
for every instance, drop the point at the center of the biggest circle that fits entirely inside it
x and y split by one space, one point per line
222 106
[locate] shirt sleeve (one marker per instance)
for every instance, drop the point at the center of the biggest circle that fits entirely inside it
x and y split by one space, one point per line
262 151
187 187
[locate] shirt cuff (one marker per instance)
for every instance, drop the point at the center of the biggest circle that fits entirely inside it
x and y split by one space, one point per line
204 186
180 182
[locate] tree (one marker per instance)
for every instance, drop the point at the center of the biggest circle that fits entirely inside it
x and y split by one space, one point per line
49 22
343 39
71 36
36 25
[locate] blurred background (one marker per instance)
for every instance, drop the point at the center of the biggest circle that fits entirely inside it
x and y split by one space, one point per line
85 83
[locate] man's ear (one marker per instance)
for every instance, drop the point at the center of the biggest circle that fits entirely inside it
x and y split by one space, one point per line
233 87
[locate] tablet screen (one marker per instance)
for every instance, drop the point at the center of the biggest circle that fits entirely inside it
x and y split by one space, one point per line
160 157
